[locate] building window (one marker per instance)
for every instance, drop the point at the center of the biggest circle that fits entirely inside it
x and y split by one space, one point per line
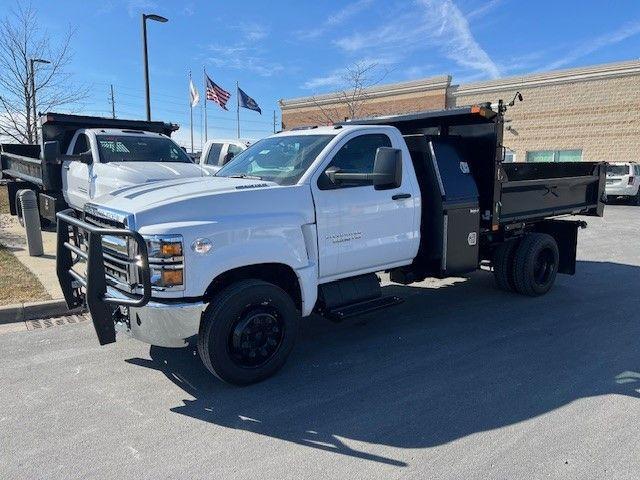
509 155
554 156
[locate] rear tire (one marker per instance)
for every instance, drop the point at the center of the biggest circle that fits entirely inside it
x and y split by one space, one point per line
636 199
247 332
503 258
535 264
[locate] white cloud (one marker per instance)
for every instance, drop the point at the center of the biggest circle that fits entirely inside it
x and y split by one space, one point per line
252 31
242 57
483 9
441 25
625 31
334 20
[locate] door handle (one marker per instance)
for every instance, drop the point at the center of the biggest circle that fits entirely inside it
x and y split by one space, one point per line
401 196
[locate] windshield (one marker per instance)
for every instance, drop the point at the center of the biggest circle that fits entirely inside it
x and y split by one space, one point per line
133 148
281 159
617 169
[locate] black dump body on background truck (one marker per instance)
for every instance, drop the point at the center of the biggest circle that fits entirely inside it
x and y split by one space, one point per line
500 201
39 168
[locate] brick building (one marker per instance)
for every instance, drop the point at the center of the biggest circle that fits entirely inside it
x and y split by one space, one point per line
590 113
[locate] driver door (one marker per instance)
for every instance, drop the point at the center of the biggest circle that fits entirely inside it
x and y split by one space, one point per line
361 229
76 175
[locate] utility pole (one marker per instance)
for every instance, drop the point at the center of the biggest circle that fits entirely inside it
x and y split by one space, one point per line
112 100
274 121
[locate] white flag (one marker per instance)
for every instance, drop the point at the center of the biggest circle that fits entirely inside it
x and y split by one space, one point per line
193 94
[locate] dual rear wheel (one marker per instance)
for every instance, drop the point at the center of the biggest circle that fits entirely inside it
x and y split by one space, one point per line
528 265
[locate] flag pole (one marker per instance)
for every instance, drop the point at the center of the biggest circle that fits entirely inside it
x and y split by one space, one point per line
191 110
238 108
204 72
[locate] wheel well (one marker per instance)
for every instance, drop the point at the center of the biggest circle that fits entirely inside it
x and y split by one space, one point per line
277 273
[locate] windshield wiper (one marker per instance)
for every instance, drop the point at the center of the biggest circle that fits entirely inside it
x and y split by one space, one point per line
244 175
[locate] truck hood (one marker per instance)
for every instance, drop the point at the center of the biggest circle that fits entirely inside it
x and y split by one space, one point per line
138 198
173 204
135 173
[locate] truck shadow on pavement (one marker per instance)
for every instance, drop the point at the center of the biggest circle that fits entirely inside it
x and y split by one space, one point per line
447 363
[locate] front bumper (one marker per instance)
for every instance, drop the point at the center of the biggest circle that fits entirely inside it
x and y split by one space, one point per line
163 324
155 321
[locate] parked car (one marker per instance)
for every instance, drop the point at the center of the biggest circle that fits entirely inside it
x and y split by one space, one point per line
217 153
102 155
301 221
623 181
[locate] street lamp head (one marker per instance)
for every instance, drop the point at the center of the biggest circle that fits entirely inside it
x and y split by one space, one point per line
157 18
39 60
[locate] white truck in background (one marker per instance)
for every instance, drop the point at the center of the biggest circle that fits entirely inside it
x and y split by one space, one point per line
102 155
217 153
301 221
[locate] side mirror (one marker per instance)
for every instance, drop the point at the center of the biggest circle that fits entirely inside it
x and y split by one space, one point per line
387 171
387 168
86 157
51 152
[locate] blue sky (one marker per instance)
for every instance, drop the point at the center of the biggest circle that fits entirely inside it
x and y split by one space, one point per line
282 49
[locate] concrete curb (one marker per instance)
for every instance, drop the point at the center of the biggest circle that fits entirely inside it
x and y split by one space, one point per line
21 312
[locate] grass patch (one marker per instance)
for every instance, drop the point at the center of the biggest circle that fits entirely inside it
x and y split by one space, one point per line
4 199
17 283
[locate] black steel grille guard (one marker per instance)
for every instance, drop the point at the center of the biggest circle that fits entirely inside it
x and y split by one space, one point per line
101 305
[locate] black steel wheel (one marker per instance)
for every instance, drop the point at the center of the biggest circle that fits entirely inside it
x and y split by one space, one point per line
535 264
503 258
247 332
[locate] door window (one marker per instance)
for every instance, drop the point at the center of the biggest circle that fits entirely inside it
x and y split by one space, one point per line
81 145
356 156
213 158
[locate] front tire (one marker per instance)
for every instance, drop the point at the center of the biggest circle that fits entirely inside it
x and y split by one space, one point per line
536 264
247 332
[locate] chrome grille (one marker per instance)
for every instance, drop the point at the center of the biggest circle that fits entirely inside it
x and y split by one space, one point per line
118 252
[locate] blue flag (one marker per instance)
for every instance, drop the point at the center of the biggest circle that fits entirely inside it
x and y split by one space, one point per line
247 102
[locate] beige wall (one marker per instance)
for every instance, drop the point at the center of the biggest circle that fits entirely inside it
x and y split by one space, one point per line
388 105
595 109
601 117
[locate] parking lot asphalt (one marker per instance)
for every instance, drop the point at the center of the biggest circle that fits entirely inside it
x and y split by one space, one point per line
459 381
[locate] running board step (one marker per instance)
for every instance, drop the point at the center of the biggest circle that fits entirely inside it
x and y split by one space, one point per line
346 311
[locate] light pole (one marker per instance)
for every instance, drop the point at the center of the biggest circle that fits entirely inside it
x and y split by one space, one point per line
33 93
156 18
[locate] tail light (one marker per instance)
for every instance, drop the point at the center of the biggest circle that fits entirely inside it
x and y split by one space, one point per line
631 179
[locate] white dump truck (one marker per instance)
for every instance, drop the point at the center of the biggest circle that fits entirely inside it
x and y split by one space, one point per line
301 221
99 155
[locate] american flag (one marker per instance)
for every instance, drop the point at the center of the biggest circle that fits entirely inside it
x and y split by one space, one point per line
217 94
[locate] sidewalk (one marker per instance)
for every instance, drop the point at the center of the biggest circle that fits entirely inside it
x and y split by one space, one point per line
12 235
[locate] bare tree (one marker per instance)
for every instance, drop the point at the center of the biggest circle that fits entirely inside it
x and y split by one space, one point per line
21 40
351 99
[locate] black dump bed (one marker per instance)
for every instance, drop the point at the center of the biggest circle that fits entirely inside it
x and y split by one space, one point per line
470 198
507 192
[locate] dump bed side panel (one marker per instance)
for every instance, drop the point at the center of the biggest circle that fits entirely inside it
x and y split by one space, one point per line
533 191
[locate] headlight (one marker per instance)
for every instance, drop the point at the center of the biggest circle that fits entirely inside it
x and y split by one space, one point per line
164 246
166 262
